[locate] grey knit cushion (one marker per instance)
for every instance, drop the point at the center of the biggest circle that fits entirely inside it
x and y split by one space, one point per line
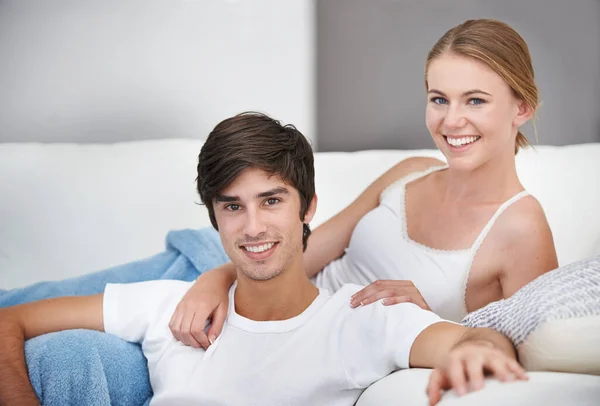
554 321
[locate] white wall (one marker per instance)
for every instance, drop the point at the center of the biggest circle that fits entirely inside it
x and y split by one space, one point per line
109 70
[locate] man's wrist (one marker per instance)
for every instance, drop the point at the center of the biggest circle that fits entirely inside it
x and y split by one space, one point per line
475 341
489 338
15 388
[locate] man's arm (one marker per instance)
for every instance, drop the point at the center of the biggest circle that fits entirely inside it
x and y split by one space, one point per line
20 323
461 356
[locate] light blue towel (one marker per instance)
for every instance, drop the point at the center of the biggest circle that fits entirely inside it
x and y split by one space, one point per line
81 367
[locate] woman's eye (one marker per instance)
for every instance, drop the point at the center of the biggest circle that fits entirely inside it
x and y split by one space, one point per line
476 101
439 100
233 207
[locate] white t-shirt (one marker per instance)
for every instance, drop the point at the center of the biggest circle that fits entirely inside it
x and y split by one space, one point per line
327 355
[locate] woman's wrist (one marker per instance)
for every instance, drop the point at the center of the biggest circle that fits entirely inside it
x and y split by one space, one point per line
225 273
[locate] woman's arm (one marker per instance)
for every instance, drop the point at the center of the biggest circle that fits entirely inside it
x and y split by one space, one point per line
208 298
328 241
528 246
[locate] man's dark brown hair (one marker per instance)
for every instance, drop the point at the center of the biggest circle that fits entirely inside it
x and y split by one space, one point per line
254 140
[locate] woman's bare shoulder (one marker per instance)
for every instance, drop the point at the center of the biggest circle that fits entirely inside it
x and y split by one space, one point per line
411 165
370 196
524 216
526 237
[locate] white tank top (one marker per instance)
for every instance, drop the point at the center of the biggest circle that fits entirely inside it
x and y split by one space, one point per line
380 249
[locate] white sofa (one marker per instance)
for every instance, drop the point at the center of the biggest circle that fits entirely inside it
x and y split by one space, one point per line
70 209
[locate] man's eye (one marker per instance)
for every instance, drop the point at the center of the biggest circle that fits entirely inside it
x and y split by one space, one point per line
271 201
233 207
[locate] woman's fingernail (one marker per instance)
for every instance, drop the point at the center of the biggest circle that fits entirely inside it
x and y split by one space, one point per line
212 339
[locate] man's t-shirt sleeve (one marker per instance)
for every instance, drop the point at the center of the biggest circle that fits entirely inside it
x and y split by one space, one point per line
130 310
378 339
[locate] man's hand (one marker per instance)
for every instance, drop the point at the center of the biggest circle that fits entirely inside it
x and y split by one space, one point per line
392 292
466 365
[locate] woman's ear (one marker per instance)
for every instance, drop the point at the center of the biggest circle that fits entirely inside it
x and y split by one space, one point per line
524 113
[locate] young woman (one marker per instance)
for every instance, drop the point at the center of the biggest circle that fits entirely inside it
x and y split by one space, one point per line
450 237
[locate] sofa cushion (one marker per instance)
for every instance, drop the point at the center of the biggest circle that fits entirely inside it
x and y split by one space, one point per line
554 321
407 387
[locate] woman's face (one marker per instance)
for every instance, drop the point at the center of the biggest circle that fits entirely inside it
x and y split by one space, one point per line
472 114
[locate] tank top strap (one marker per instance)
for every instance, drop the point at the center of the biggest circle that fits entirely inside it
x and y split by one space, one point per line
411 177
400 183
490 223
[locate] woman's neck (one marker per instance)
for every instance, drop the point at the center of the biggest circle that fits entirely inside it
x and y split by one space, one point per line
494 181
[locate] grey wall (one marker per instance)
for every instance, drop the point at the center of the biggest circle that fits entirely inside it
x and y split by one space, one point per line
110 70
371 54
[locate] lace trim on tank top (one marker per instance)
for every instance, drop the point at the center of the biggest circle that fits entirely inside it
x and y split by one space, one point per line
400 186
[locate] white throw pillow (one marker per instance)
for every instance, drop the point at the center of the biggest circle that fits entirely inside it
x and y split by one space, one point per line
554 321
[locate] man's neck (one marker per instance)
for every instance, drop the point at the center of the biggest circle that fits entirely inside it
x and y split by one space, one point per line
281 298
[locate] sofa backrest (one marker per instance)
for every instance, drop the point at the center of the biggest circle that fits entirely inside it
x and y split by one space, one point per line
70 209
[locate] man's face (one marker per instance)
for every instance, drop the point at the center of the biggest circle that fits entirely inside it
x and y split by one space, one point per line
259 223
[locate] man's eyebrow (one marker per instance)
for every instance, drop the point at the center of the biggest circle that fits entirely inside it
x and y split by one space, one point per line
226 199
276 191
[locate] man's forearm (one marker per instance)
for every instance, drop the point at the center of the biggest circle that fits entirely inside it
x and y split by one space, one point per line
22 322
490 337
15 388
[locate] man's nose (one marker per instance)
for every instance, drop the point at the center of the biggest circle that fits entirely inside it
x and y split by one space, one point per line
254 224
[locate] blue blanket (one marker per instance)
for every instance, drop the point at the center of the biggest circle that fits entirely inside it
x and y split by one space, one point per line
81 367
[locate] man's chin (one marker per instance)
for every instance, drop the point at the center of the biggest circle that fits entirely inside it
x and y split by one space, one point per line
262 275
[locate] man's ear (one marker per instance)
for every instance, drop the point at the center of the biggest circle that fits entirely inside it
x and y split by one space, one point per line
524 113
312 208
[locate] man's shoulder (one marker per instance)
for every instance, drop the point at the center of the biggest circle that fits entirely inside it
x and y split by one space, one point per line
341 301
161 287
345 292
153 296
376 310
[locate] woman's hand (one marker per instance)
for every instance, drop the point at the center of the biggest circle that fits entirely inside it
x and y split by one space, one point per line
207 299
465 368
392 292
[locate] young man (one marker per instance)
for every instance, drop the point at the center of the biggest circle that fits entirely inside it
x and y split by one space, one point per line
285 342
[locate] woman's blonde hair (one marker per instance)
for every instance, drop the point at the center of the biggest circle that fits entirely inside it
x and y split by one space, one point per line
501 48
